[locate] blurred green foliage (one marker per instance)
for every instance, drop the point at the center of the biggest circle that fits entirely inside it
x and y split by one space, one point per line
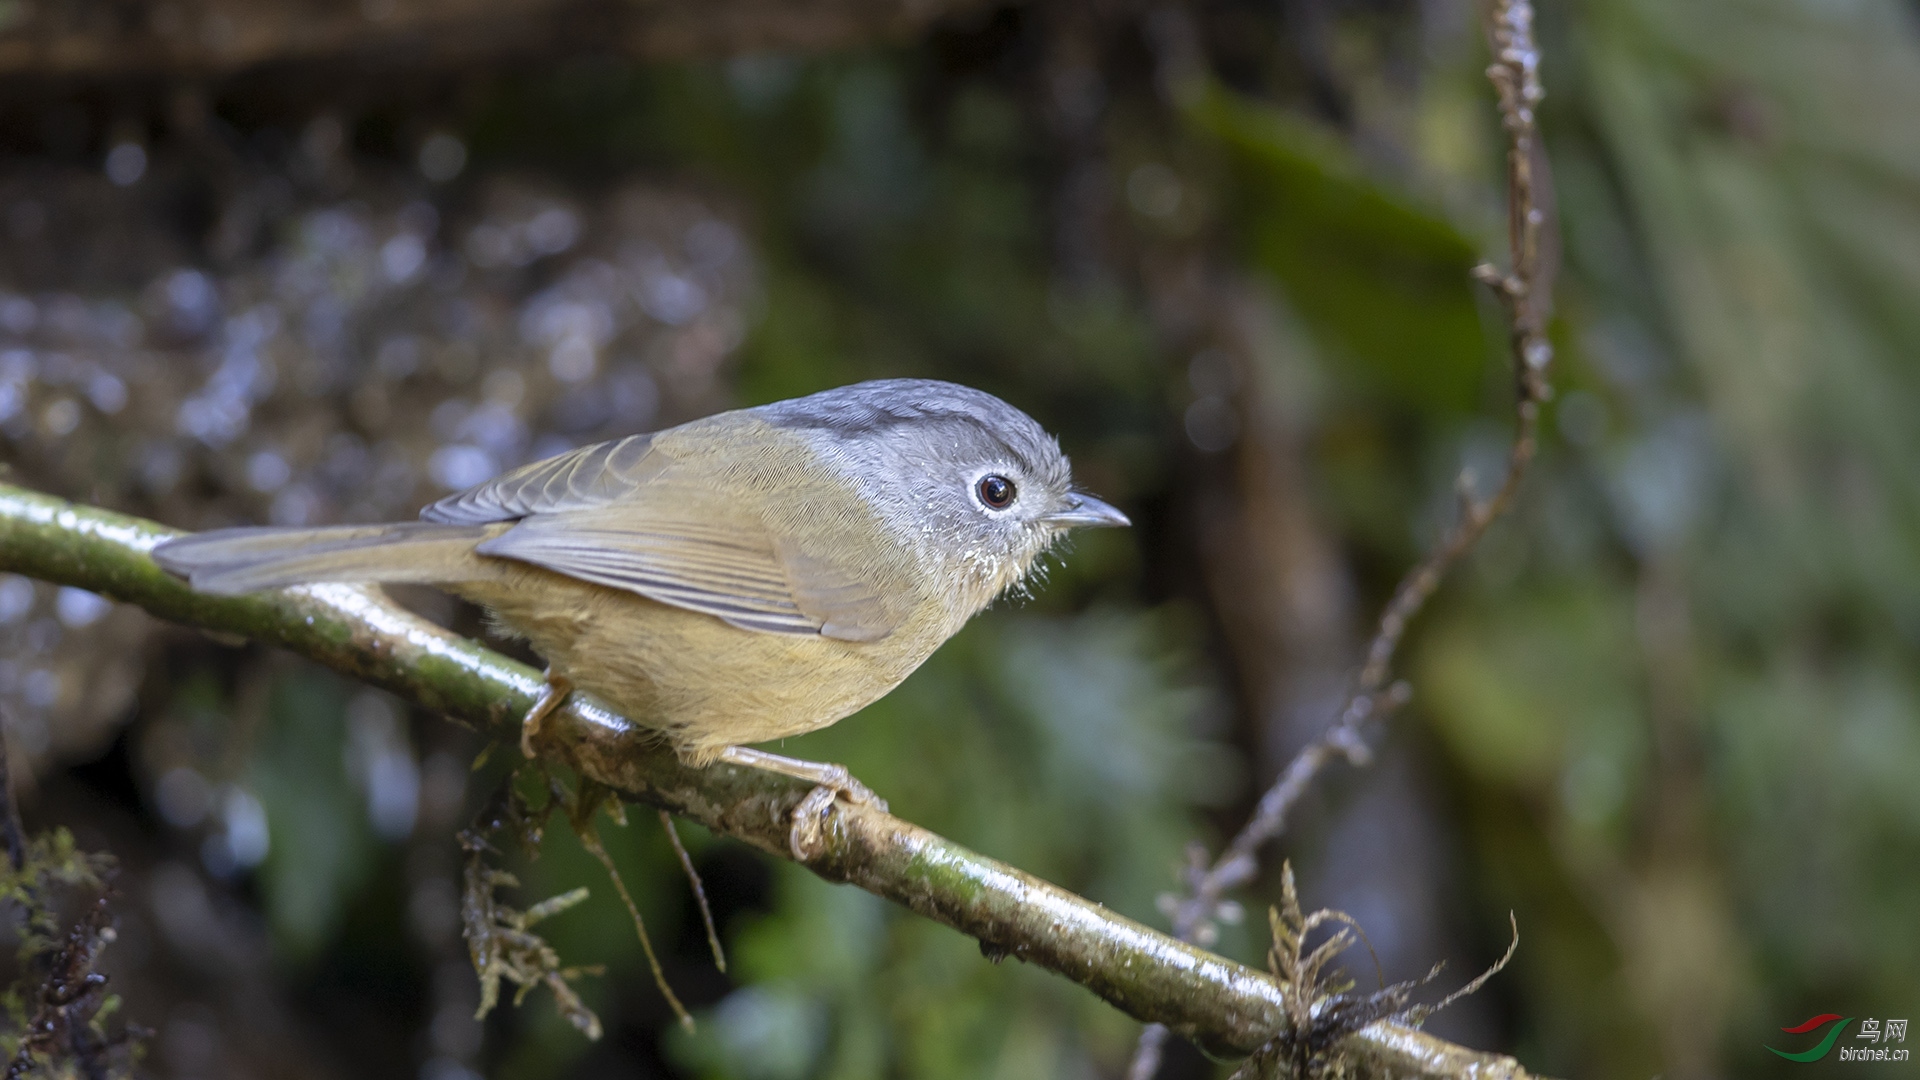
1346 250
321 850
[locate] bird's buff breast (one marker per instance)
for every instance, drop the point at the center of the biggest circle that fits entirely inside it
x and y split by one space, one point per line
702 683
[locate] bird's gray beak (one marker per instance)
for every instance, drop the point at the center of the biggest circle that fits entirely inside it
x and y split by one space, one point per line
1086 512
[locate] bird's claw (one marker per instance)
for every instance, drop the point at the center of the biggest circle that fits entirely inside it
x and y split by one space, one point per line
807 836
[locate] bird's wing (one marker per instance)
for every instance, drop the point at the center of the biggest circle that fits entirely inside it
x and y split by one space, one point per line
668 524
590 476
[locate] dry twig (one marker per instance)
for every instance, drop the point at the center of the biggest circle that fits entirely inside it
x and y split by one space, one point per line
1525 290
699 891
500 938
582 807
1323 1011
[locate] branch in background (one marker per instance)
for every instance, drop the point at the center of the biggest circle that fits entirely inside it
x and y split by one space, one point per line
356 631
1526 292
67 39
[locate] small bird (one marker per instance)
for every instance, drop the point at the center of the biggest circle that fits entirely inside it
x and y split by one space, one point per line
749 576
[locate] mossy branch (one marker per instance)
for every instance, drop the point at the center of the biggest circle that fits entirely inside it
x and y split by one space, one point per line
356 631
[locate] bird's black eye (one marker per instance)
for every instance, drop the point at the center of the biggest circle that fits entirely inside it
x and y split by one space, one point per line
996 491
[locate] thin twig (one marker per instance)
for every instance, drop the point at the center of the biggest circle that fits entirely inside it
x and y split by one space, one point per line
699 891
584 805
1525 291
591 841
1480 980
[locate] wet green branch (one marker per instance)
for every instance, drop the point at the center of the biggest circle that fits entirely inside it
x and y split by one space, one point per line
356 631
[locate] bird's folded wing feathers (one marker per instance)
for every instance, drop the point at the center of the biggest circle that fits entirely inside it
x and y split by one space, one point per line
730 569
656 515
579 479
849 607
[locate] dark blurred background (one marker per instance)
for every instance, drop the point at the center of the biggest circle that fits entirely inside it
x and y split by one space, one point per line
298 261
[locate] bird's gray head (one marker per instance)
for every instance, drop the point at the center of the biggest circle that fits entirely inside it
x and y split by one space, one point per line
978 485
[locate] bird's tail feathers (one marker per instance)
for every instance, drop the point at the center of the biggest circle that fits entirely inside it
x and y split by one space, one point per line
233 561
